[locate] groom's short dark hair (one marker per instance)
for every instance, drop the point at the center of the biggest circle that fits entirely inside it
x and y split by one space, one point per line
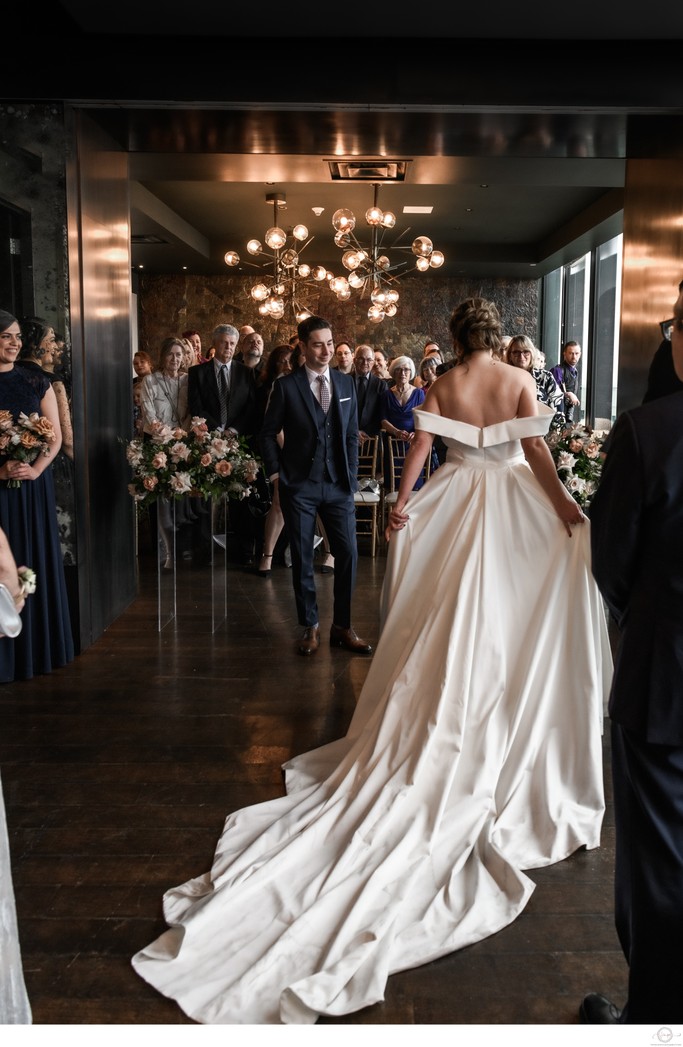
311 324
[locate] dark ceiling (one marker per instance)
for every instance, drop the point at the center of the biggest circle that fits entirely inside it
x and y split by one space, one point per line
516 188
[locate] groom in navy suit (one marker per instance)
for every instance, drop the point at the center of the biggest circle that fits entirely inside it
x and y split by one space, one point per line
637 545
314 473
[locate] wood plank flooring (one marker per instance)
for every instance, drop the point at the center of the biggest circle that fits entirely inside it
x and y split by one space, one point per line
119 770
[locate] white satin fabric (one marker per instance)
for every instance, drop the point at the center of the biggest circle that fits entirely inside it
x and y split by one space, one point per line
14 1005
474 754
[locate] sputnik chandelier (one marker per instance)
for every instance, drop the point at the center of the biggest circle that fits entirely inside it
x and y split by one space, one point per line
287 285
372 272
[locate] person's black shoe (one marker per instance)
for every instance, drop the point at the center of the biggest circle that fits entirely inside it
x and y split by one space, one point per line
598 1010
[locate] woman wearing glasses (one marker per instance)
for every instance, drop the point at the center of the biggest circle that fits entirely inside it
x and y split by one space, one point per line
522 353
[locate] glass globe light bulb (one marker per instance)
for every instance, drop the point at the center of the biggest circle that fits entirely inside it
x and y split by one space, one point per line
422 264
276 238
388 219
304 271
343 220
391 309
350 260
264 309
302 314
277 308
339 283
344 295
436 259
356 280
277 289
231 258
383 262
392 295
362 255
300 232
342 239
378 296
289 258
259 292
375 314
319 273
422 246
329 276
374 215
254 247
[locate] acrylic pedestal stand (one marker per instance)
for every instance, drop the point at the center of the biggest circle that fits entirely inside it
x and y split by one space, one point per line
167 576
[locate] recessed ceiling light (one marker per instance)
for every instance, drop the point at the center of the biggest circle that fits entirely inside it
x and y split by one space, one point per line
415 209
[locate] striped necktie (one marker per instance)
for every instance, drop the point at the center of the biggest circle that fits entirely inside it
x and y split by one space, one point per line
223 393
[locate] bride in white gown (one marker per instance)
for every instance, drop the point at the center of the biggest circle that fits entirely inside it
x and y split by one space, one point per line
474 752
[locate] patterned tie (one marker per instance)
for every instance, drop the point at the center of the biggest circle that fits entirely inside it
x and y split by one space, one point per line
223 393
324 393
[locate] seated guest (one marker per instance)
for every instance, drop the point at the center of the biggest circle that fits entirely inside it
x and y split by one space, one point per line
521 353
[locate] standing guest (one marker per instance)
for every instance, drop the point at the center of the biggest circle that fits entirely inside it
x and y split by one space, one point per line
427 373
142 365
661 377
369 389
381 368
251 354
28 516
636 520
522 353
195 340
343 358
277 365
163 401
567 377
310 448
224 394
188 355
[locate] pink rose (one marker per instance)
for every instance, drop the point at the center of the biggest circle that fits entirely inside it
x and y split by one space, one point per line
159 461
205 460
223 468
150 482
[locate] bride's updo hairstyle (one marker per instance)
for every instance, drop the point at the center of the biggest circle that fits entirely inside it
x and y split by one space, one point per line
475 327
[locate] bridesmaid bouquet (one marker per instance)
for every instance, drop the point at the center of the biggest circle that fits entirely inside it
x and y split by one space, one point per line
175 462
577 453
25 439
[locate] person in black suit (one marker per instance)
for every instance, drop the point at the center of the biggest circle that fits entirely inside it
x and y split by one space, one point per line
636 533
223 391
313 473
662 378
369 389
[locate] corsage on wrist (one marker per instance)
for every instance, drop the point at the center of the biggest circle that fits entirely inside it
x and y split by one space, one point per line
27 578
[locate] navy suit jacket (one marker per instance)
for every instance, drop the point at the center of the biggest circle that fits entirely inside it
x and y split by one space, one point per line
202 397
637 549
369 415
292 410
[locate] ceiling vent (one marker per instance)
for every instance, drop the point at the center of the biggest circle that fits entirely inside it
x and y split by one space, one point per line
367 170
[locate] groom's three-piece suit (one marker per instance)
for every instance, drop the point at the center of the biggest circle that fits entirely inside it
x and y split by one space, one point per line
317 467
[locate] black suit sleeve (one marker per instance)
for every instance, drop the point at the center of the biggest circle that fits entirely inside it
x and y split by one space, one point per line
616 513
273 422
197 398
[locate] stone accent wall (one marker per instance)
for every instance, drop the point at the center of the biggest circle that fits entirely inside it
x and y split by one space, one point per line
172 304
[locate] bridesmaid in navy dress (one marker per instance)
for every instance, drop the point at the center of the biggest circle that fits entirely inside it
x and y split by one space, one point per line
28 516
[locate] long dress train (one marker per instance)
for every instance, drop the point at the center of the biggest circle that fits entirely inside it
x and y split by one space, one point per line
474 753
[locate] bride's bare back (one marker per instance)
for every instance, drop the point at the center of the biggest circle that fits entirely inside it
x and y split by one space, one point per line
483 391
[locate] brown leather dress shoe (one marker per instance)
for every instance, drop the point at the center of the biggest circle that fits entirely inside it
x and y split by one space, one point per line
347 638
310 641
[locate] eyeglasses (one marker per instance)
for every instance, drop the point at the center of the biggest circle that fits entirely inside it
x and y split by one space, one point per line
520 352
401 370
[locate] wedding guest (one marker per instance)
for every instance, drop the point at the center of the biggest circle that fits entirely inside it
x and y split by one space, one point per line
38 348
381 368
400 400
28 517
251 353
521 353
195 340
277 365
142 365
369 389
567 377
343 358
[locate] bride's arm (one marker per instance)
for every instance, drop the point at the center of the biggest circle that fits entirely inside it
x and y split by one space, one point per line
412 467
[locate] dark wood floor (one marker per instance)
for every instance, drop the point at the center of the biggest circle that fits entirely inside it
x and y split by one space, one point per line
119 770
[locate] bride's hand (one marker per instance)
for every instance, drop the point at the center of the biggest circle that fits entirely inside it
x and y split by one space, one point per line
397 521
571 514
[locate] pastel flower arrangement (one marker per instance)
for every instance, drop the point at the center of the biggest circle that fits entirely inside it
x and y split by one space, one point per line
175 462
577 453
25 439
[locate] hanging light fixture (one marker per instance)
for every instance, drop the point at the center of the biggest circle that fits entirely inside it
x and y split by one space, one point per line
284 289
371 271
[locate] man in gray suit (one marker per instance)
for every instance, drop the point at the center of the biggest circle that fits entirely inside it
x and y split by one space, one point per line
637 546
314 472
